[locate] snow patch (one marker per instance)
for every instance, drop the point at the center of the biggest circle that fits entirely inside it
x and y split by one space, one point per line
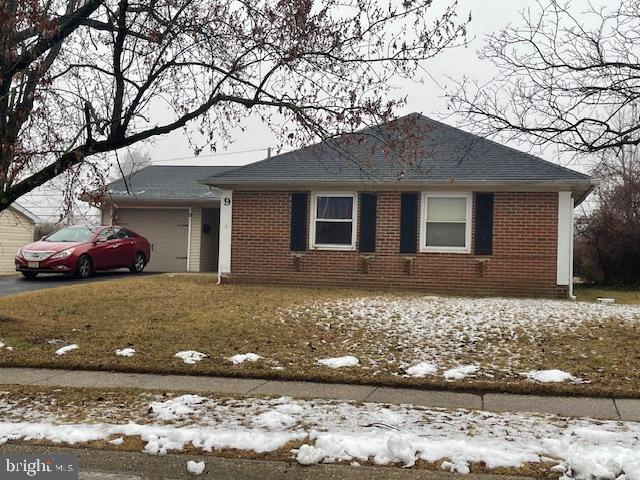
448 331
175 408
309 455
550 376
422 369
339 362
117 441
190 356
274 420
344 431
66 349
125 352
244 357
458 373
195 468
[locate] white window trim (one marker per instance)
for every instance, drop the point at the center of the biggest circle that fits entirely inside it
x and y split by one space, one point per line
423 222
312 227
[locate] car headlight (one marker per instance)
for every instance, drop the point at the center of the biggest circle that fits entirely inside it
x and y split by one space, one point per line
62 254
19 253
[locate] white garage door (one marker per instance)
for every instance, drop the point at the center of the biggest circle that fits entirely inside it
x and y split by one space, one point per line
166 229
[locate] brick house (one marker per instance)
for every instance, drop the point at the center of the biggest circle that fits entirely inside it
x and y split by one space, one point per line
413 203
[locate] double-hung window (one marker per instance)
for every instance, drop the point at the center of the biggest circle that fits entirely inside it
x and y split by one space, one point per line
333 224
446 222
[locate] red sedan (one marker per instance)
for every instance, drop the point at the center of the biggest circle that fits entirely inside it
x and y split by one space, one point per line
82 250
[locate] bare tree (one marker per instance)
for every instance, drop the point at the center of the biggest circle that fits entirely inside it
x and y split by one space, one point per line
565 78
607 246
79 78
133 161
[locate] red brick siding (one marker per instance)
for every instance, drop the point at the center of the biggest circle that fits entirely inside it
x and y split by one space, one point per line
523 260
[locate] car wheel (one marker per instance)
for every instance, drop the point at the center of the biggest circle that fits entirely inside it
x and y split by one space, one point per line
30 275
85 267
138 263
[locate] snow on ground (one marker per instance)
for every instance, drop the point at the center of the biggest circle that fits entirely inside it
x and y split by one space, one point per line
125 352
458 373
244 357
190 356
66 349
448 331
551 376
339 362
195 468
330 431
422 369
173 409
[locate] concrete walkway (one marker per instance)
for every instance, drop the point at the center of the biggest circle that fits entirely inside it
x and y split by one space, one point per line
603 408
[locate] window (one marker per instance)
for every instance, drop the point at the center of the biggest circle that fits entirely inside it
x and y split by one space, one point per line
446 222
120 233
106 234
333 224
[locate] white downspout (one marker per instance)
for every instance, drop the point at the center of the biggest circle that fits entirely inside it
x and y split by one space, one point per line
189 241
572 232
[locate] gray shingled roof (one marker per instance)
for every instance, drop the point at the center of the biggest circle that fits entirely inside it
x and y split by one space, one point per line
440 154
163 182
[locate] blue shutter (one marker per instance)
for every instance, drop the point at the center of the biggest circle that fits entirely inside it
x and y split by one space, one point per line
484 224
368 204
299 202
409 223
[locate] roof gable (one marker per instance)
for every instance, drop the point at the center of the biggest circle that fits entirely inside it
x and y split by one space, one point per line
409 149
32 217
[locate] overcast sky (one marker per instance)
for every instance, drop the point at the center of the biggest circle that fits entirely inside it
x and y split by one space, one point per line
427 98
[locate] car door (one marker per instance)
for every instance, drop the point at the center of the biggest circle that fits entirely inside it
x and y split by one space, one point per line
102 252
124 248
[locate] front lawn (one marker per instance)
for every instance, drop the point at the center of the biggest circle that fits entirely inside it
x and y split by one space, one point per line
401 338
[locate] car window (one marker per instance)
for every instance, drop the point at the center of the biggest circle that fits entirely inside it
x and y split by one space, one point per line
106 234
72 234
120 233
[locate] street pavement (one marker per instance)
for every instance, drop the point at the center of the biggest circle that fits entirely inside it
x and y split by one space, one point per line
119 465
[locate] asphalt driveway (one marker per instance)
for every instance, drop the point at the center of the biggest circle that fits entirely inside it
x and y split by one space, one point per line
12 284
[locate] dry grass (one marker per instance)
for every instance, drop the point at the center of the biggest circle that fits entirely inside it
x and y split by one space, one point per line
590 294
161 315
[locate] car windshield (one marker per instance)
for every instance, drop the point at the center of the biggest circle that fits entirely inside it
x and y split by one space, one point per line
71 234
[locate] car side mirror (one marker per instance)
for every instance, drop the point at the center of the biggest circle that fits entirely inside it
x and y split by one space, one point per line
99 240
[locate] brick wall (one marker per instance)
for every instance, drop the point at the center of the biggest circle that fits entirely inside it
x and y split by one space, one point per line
523 260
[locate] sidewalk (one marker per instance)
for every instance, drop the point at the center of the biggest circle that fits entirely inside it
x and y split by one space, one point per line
602 408
111 465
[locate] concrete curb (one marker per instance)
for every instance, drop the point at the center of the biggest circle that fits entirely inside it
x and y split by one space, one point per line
117 465
601 408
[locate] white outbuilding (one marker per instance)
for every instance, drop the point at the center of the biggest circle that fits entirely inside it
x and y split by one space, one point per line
17 228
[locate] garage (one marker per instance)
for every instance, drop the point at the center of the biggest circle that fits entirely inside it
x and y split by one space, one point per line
172 208
167 229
